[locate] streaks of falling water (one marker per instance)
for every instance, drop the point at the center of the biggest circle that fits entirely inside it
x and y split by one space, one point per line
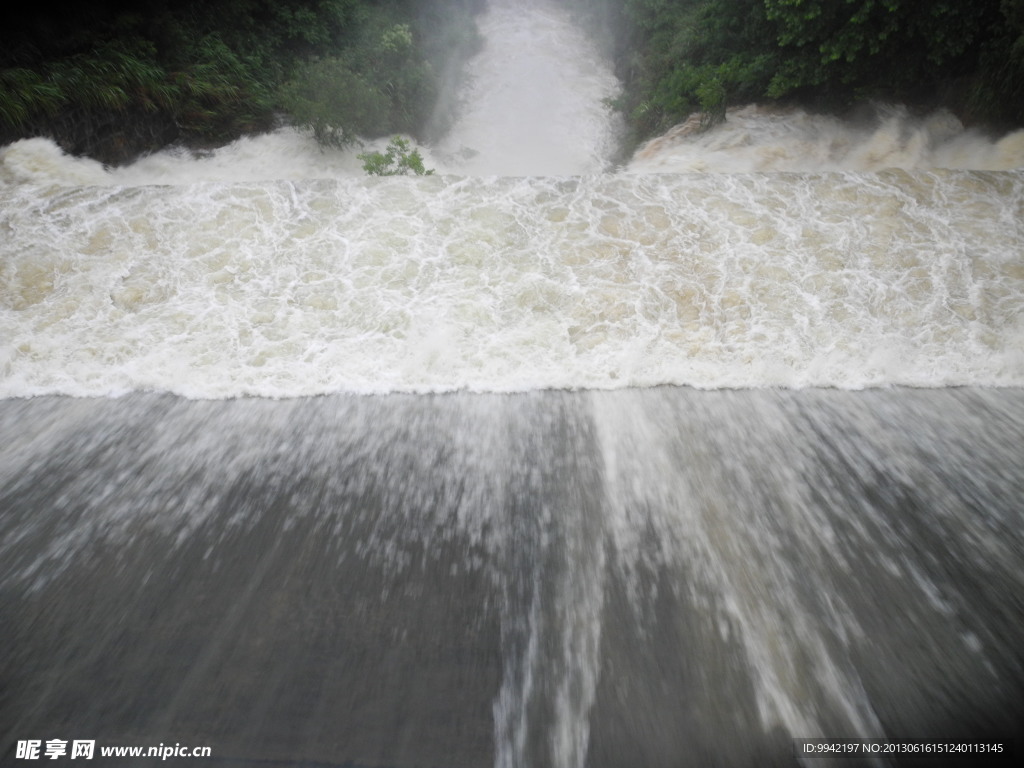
656 577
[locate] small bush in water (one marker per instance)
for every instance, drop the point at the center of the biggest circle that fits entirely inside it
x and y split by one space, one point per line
399 159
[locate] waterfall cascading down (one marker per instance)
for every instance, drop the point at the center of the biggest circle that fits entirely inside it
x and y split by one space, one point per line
530 463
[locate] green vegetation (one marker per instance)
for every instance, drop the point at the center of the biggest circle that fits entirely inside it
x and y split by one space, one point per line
676 57
399 159
115 78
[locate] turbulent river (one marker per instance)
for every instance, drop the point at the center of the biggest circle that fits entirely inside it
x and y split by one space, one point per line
542 461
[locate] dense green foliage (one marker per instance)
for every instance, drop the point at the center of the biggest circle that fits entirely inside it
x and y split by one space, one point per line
116 77
680 56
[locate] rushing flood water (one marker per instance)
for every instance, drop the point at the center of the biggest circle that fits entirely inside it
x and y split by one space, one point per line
497 284
655 577
529 463
764 139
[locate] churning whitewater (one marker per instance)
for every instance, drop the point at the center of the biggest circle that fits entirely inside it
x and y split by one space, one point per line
198 277
497 284
541 572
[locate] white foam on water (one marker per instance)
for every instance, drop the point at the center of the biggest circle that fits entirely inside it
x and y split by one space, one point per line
41 161
757 138
732 493
283 154
500 284
272 267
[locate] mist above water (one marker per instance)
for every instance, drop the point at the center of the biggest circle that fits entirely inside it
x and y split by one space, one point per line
535 99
